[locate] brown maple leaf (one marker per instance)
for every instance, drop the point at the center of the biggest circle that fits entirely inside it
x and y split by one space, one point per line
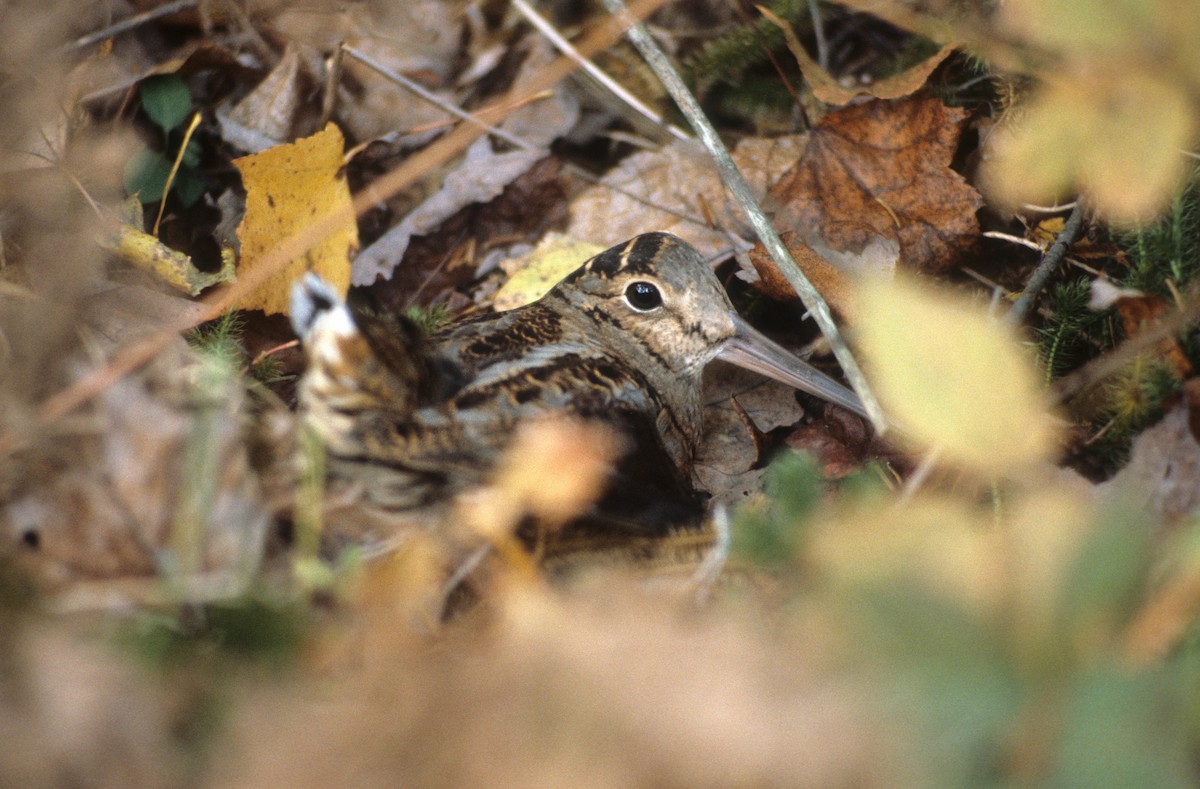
882 169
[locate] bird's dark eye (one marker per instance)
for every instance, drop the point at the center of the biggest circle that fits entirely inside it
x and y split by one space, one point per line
643 296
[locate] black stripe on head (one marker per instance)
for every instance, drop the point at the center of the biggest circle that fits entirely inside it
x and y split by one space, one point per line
642 252
635 256
606 264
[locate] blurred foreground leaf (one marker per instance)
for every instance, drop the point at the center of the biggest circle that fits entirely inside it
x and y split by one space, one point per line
1114 114
953 378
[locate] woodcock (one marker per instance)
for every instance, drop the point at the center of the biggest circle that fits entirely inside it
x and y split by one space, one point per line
624 339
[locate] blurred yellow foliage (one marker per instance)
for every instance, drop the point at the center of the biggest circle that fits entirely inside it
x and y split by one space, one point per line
937 544
290 188
952 378
1113 116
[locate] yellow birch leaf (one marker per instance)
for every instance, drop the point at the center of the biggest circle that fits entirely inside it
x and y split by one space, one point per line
953 378
532 276
934 543
289 189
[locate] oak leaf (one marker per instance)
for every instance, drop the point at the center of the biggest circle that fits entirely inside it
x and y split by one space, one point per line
290 188
882 170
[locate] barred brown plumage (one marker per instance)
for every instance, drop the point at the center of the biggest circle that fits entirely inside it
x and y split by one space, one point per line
623 340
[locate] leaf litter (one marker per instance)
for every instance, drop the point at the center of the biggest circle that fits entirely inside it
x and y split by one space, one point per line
837 651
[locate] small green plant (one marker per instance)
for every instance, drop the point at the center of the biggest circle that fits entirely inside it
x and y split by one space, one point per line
769 533
428 319
745 46
167 102
221 338
1074 332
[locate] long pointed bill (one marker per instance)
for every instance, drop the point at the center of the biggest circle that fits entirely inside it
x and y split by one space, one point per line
751 349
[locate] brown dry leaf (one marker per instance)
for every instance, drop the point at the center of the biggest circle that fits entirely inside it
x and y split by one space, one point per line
728 457
667 189
483 174
829 281
827 88
289 188
264 117
841 441
1163 472
120 314
882 170
421 39
164 486
1139 311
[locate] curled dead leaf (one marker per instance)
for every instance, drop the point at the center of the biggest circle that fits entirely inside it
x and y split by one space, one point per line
828 89
171 266
668 189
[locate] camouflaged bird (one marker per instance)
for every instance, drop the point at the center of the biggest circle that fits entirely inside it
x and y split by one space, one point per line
623 340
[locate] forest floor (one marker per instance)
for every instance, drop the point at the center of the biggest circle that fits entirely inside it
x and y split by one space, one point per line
998 214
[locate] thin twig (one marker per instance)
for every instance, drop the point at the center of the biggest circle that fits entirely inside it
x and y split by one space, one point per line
463 572
1034 208
709 571
480 113
333 78
129 23
175 165
1010 238
432 98
594 71
736 183
919 476
819 33
1041 275
269 352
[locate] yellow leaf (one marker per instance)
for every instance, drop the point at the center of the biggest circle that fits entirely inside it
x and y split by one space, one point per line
1117 136
938 544
290 188
1096 25
533 275
952 378
1045 529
